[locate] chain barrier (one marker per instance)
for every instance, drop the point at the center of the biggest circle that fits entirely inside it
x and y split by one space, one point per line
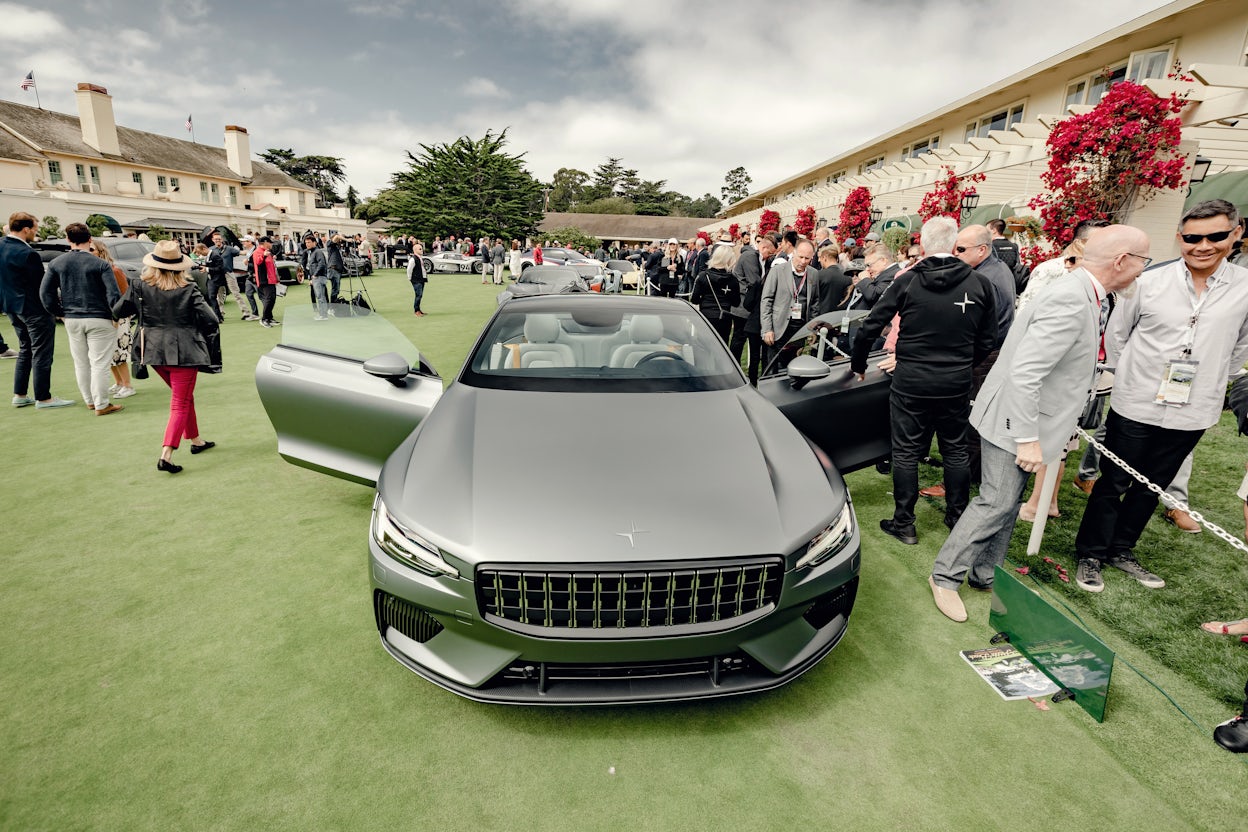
1166 499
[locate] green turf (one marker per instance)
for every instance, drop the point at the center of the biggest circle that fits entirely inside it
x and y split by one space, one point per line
198 652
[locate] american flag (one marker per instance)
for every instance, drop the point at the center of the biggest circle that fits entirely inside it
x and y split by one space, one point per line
29 81
189 126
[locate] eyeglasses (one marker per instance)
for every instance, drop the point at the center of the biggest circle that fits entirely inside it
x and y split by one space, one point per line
965 249
1215 237
1147 260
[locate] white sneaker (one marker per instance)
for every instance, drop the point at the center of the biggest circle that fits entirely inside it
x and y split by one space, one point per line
112 390
124 392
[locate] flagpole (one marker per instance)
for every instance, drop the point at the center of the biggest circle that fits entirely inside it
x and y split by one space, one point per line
38 103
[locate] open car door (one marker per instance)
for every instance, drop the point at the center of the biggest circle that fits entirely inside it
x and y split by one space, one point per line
342 393
845 417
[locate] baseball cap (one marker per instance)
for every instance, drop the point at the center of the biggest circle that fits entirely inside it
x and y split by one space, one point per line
873 237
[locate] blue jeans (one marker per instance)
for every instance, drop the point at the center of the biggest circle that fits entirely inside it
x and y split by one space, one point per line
418 289
318 290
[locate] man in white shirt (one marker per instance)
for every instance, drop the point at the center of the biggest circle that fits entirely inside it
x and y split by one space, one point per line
1174 343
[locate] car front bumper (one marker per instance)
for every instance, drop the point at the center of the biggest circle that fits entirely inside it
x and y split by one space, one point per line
436 628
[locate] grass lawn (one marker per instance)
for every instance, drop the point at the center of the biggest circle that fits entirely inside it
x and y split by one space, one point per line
198 652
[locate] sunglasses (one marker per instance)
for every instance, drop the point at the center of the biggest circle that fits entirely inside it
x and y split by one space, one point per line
1215 237
965 249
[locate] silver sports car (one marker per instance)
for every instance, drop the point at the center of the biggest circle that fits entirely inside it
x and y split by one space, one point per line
450 261
599 509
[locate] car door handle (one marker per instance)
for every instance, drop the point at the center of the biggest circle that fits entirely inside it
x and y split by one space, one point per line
281 368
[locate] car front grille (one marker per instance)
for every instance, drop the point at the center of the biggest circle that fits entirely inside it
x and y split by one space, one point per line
408 619
600 601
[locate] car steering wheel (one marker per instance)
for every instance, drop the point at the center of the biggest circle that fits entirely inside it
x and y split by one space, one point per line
654 356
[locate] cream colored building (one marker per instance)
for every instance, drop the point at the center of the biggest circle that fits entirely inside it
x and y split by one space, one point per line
69 167
1000 130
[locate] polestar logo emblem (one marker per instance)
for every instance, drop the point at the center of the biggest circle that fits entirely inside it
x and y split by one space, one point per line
965 302
632 530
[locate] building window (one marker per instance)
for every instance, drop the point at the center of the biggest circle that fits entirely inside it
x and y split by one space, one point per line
233 196
303 203
1001 120
836 177
920 147
174 183
95 175
81 172
1149 63
54 172
216 193
203 191
162 184
1076 92
138 180
871 164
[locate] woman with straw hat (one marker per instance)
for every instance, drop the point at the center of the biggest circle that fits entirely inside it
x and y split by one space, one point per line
174 320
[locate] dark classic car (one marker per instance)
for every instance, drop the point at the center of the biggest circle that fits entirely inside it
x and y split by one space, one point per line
529 545
545 280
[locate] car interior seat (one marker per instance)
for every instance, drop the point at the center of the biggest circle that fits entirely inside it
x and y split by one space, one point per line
646 336
540 332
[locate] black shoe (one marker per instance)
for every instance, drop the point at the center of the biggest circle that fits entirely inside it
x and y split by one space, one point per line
979 587
1128 564
1233 735
1088 575
906 534
199 449
884 466
162 465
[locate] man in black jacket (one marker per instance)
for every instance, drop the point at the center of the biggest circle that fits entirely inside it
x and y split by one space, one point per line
948 324
21 273
80 288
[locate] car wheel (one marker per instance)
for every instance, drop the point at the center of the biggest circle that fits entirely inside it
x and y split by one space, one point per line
478 267
428 264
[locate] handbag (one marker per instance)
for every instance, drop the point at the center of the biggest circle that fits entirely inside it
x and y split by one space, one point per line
140 368
280 289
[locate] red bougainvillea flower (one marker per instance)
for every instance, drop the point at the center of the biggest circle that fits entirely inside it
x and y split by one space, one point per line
768 221
1126 148
855 218
945 197
805 224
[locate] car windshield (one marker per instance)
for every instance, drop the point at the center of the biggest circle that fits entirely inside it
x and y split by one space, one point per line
549 275
351 332
601 344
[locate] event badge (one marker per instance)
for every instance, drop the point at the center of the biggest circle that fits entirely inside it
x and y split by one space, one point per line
795 310
1176 382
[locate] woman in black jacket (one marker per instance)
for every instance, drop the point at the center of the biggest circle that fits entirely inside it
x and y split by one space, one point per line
716 290
174 320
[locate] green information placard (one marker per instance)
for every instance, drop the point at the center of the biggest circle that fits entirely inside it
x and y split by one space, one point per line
1073 658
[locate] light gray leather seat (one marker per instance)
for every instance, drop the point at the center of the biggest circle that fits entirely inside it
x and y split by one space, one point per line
540 331
646 334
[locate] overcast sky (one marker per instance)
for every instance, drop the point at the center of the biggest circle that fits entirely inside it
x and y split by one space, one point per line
679 91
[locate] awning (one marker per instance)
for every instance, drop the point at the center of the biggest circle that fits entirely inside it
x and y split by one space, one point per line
112 224
167 224
910 222
981 215
1231 186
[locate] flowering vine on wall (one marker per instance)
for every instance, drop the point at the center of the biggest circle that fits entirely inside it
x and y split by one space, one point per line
855 218
1101 162
945 197
768 221
805 223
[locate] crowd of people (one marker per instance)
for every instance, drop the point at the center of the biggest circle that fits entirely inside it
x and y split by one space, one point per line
995 362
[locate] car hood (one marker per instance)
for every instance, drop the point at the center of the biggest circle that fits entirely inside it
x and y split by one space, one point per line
537 477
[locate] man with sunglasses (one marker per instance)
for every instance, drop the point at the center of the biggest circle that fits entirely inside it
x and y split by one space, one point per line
1174 342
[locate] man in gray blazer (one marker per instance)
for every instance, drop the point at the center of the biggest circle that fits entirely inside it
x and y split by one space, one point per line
1028 406
792 294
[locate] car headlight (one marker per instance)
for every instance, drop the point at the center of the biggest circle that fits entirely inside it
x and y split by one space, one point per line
831 540
406 546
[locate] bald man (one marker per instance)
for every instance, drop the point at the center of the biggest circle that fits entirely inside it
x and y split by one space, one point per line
1029 404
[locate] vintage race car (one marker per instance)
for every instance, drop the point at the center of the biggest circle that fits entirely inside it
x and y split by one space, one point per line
450 261
599 509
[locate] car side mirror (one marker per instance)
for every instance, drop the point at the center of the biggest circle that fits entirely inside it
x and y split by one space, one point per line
391 366
805 369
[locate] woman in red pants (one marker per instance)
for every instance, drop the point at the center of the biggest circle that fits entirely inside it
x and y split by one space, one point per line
174 319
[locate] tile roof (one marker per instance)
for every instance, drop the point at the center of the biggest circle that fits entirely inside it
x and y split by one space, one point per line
55 132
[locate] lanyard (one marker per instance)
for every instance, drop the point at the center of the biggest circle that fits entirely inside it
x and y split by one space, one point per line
1189 334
